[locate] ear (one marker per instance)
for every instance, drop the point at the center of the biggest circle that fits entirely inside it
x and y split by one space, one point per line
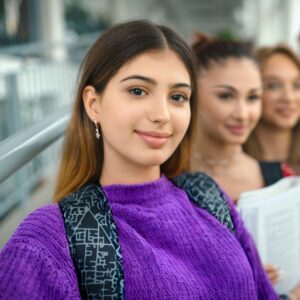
91 101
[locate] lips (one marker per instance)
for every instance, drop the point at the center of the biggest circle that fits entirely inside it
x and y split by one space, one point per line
237 129
153 139
285 111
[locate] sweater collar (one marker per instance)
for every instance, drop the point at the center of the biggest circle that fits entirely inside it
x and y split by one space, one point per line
134 193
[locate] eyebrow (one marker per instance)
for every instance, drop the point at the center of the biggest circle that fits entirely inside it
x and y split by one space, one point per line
273 77
235 90
153 82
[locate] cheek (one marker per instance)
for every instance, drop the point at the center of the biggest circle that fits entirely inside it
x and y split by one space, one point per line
298 98
256 110
208 112
181 120
115 124
268 104
118 114
255 113
220 114
269 100
209 120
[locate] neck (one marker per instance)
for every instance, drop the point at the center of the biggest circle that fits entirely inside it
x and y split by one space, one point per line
216 158
275 143
127 173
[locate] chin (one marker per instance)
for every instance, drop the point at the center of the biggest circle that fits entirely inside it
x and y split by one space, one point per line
156 156
286 124
236 139
154 161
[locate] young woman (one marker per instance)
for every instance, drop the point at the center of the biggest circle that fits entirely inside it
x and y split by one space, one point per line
230 107
125 225
229 97
276 138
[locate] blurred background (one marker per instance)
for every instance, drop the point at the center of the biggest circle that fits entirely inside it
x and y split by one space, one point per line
42 43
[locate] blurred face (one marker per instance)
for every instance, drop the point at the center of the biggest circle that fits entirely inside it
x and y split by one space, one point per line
281 95
229 100
144 111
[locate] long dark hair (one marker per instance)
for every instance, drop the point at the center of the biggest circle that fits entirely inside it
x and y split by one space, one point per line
82 156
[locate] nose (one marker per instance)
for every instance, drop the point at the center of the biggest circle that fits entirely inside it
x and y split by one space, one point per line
241 110
288 94
159 111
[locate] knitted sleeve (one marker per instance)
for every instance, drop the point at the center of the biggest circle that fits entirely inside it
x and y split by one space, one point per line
263 285
36 263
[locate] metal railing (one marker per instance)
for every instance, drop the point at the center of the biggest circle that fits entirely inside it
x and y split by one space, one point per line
19 149
34 91
28 97
23 146
33 86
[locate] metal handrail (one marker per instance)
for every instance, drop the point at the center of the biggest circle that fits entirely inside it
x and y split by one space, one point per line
23 146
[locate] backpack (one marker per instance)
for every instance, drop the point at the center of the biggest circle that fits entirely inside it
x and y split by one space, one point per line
93 238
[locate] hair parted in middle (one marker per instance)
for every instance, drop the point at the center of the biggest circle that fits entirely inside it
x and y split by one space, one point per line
82 157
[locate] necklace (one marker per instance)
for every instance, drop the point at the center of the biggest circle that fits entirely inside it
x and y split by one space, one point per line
212 163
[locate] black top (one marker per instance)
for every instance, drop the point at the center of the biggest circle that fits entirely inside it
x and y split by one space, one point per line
271 171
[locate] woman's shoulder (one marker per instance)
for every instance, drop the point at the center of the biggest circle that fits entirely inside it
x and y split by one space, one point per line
206 194
43 228
47 212
46 217
38 253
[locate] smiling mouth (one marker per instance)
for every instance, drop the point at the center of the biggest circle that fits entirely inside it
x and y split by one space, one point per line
237 129
285 112
153 139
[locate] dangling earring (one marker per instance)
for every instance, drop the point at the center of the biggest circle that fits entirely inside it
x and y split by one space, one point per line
98 135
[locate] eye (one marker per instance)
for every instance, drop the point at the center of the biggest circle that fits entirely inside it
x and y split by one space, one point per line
225 96
136 91
296 85
253 97
179 97
272 85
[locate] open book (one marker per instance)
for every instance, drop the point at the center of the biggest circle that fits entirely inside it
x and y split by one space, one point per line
272 215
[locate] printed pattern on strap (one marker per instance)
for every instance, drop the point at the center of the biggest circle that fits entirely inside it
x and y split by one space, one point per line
94 244
203 191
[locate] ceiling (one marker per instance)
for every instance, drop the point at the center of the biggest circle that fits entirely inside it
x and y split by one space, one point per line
187 16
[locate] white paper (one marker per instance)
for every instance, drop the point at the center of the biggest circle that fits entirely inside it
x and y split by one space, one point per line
272 215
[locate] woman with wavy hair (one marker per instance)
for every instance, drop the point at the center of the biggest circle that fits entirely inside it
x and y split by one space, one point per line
277 135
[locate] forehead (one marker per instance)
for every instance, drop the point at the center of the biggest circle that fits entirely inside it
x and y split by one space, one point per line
234 72
160 65
280 64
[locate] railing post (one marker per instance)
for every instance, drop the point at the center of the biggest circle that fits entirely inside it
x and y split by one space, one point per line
14 124
14 109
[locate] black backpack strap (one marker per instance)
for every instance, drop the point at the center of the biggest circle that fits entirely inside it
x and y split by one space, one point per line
204 191
271 172
94 243
93 238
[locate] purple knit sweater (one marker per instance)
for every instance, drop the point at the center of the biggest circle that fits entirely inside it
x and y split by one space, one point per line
171 250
